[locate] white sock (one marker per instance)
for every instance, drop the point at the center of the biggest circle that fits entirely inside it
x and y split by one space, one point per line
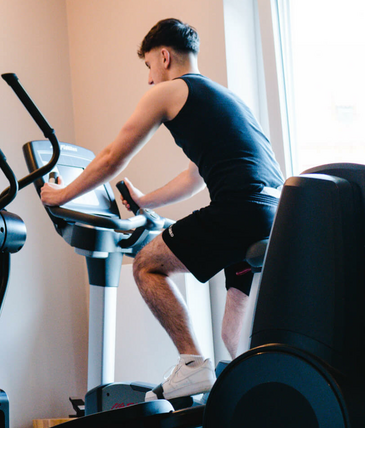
192 360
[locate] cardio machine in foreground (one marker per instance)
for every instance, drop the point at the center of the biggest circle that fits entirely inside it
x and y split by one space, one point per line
306 365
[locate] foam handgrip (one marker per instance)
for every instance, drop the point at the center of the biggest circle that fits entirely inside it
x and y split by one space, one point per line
122 188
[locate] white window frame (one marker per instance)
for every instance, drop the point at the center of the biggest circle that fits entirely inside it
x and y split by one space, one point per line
277 87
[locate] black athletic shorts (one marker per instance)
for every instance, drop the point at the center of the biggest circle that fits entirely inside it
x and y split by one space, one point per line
218 236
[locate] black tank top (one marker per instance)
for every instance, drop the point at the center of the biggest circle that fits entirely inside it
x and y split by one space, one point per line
219 133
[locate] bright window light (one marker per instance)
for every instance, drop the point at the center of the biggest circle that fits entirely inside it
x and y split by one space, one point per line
323 47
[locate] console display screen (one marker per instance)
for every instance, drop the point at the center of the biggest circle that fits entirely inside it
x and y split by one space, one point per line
97 200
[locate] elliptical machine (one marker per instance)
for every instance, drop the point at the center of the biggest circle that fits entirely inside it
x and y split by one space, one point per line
12 228
12 238
305 367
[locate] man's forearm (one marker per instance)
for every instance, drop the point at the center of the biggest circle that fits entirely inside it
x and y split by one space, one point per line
180 188
99 171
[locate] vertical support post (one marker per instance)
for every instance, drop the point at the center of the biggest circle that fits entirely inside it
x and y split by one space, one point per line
104 273
102 329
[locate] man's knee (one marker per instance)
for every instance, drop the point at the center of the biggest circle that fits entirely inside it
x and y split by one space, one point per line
143 264
226 337
138 266
148 260
156 258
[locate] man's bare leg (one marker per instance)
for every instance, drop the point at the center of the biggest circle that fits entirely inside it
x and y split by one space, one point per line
152 267
236 305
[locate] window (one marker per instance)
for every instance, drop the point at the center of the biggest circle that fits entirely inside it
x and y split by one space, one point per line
323 48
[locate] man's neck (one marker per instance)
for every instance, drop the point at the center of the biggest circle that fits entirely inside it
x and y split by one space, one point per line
188 65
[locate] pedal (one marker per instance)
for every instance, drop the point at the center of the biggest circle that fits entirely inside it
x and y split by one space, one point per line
79 406
181 402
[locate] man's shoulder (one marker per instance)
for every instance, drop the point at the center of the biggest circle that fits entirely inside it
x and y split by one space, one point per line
175 85
173 94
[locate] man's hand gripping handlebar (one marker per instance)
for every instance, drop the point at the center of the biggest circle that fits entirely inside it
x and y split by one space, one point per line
153 220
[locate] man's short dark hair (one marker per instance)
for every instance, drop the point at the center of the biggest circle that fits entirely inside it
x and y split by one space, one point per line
171 33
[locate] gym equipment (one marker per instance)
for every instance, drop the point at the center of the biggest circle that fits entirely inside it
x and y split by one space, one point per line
12 239
305 367
4 410
92 225
255 259
154 414
12 228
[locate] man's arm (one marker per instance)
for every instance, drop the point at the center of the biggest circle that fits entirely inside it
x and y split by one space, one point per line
185 185
153 109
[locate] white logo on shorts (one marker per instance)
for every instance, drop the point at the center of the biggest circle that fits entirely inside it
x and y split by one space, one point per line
171 233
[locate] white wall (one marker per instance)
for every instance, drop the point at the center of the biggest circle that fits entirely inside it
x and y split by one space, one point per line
43 323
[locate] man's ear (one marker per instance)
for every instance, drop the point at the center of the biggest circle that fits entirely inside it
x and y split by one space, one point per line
166 57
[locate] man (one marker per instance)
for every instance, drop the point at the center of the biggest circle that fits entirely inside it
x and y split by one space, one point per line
230 155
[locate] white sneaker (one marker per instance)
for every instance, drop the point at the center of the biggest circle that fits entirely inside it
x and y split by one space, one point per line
184 381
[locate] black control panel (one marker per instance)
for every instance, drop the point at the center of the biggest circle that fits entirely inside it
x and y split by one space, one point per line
72 161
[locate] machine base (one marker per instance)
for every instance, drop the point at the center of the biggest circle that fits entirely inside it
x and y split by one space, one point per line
115 396
119 395
276 386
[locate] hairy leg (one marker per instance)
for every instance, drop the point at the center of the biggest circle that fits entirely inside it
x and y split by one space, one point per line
233 318
152 268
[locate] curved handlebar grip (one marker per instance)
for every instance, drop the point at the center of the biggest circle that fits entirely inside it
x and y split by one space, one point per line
8 195
13 82
70 215
48 131
122 188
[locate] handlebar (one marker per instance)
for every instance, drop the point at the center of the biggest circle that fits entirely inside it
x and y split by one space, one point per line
48 131
13 82
142 223
70 215
122 188
145 218
11 192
